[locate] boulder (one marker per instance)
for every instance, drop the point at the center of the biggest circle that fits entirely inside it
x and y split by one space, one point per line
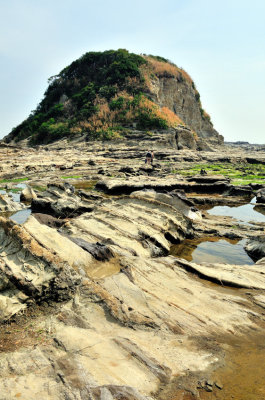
260 197
256 247
27 194
185 139
61 201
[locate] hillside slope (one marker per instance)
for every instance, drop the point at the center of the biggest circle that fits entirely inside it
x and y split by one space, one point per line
103 95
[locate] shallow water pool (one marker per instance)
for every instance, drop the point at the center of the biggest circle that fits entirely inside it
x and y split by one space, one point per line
213 250
21 216
246 213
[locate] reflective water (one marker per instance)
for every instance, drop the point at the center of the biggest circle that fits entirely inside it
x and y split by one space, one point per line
246 213
243 376
21 216
212 249
85 185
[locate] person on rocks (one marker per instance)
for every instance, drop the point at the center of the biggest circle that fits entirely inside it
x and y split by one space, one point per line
148 157
152 156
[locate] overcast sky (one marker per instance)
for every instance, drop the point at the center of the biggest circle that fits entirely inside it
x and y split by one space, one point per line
221 44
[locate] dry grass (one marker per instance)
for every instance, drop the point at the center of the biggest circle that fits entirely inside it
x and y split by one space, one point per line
106 118
172 118
164 113
167 69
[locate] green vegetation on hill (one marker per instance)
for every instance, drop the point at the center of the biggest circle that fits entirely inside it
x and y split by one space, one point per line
98 95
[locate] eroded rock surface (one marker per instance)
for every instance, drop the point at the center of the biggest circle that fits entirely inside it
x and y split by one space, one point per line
60 200
120 318
7 204
256 247
30 271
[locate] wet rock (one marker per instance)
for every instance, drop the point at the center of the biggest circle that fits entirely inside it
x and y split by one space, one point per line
256 247
98 250
204 178
260 197
232 235
49 220
241 191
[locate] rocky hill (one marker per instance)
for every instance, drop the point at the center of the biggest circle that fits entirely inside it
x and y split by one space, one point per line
107 95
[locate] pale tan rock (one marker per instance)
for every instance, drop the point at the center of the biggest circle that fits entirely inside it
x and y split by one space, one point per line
32 269
27 194
242 276
132 225
8 205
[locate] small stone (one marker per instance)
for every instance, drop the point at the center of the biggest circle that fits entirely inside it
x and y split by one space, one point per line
219 385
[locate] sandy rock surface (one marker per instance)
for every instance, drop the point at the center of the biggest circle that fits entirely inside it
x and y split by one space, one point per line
92 304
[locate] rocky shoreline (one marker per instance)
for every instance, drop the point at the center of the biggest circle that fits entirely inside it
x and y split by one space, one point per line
92 303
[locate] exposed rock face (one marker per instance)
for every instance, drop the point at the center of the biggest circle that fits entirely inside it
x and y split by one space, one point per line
61 201
261 196
135 225
185 138
7 204
200 184
27 194
91 346
29 271
119 318
180 97
256 247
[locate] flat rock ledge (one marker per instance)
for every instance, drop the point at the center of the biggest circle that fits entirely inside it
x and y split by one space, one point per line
125 324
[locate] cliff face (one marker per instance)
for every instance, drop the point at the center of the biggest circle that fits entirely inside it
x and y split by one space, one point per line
103 95
182 98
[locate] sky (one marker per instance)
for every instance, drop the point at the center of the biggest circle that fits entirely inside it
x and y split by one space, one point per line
221 44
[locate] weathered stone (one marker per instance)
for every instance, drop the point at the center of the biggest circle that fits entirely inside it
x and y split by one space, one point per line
27 194
7 204
256 247
31 269
61 201
136 322
98 250
261 196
